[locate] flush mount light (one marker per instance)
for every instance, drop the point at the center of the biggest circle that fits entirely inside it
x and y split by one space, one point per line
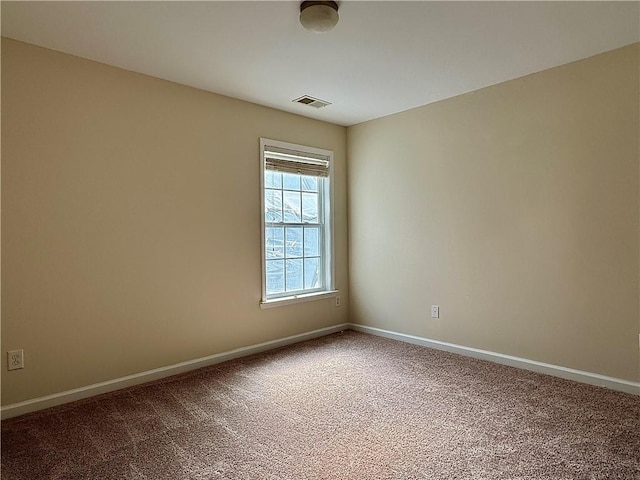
319 16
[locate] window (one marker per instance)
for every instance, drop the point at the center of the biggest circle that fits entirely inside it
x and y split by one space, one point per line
296 222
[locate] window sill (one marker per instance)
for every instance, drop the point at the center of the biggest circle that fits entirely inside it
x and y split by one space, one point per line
309 297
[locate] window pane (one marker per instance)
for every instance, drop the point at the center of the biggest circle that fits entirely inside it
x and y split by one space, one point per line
312 273
294 242
292 207
310 207
309 184
274 242
272 179
311 241
294 274
273 205
275 276
291 181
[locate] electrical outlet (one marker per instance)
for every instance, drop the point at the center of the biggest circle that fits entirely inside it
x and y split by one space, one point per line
338 301
15 359
435 311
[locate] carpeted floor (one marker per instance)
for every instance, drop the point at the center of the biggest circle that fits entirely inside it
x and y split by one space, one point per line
346 406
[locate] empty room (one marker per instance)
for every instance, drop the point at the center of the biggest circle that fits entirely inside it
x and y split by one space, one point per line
320 240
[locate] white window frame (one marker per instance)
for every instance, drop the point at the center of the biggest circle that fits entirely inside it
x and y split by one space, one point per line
327 241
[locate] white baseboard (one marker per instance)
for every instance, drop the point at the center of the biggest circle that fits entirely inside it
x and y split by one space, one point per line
35 404
523 363
40 403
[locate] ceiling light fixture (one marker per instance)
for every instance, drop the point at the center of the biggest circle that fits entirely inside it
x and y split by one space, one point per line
319 16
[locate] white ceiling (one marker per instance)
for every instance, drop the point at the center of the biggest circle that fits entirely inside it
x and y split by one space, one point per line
383 57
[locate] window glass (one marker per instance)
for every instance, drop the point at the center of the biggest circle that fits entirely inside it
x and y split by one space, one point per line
292 207
310 207
272 179
311 241
294 246
309 184
273 205
275 276
294 275
291 181
312 272
274 239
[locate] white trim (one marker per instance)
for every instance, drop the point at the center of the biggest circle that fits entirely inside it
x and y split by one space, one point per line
523 363
35 404
263 143
307 297
329 245
40 403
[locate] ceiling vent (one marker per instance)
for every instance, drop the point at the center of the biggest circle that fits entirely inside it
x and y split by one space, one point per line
311 101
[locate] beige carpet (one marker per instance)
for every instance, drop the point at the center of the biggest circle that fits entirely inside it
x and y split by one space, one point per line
347 406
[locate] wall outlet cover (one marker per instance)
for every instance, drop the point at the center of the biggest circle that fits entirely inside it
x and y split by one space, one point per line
15 359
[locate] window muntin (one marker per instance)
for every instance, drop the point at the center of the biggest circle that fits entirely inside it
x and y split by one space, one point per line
296 227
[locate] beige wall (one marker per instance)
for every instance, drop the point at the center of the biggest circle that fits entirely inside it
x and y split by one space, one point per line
131 222
515 208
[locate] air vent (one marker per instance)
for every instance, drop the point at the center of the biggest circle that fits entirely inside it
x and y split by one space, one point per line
311 101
